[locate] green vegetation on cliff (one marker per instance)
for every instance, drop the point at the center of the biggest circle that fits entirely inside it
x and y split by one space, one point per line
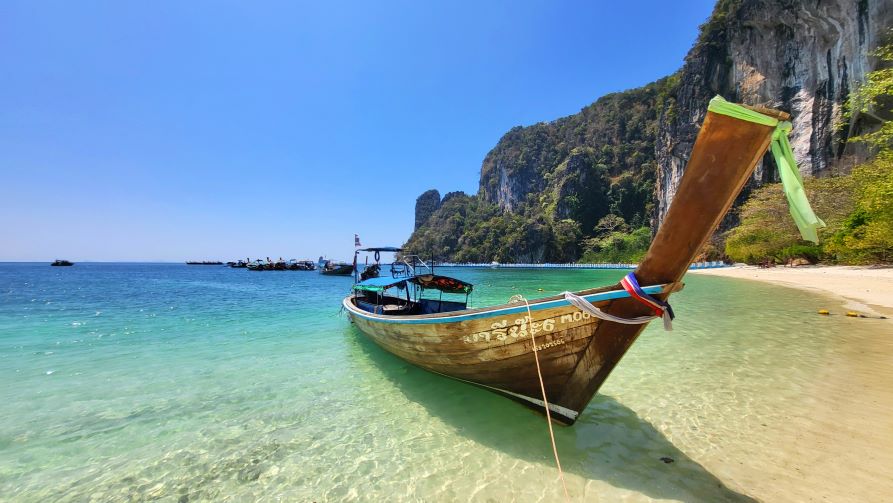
858 208
767 230
544 188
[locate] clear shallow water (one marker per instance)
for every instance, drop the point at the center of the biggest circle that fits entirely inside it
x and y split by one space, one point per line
129 382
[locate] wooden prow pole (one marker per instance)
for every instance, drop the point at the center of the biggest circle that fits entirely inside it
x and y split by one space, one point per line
722 159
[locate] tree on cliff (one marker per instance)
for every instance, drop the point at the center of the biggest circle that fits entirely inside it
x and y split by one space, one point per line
858 208
867 234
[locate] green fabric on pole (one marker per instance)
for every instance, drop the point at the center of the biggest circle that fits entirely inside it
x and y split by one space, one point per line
719 105
806 220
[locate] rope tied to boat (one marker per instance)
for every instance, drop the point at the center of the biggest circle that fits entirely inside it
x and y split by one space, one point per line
539 374
661 309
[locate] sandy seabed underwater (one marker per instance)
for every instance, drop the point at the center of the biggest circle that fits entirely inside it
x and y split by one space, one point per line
123 382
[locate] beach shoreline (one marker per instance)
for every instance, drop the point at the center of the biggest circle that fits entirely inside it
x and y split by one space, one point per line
865 289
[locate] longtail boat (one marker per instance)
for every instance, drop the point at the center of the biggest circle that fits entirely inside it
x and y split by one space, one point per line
337 269
493 347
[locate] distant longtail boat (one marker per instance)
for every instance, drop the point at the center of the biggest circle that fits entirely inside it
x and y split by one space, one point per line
576 349
336 269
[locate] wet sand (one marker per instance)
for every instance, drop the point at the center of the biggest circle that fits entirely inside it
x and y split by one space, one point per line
868 290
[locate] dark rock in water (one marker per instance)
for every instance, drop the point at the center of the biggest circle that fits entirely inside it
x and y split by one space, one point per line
667 460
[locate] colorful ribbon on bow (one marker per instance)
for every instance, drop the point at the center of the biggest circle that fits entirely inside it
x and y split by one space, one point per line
660 308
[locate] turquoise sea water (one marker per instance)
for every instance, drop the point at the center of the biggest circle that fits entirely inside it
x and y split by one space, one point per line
127 382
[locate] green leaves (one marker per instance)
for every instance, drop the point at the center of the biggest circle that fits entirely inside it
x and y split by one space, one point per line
617 247
866 236
872 100
561 178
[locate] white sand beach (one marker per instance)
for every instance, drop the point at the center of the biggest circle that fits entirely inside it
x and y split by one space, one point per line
867 290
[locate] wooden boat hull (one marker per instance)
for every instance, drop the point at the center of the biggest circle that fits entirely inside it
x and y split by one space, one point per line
492 347
346 270
486 346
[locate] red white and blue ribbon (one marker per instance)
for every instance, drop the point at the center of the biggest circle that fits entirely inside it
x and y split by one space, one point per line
660 308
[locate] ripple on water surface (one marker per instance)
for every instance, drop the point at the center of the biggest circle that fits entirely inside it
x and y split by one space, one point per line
163 381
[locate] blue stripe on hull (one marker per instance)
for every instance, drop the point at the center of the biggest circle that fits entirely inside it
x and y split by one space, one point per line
415 320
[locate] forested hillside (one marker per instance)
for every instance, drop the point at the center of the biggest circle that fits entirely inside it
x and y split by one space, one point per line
595 184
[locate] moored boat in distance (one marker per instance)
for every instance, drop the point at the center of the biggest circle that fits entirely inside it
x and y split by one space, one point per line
331 268
203 262
257 265
554 353
61 263
279 265
302 265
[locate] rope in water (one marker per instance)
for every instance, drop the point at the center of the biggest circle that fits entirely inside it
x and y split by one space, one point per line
660 308
539 374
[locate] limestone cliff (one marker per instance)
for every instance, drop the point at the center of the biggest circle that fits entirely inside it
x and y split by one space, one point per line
801 56
425 206
543 187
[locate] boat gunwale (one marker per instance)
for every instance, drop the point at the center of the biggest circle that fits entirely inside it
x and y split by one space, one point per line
602 294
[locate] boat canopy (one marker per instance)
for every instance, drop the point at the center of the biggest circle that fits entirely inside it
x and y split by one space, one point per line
445 284
380 284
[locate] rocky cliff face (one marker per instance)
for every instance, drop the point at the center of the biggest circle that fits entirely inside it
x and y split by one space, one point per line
569 166
801 56
425 206
543 187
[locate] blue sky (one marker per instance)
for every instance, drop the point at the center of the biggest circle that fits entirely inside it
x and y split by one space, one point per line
216 130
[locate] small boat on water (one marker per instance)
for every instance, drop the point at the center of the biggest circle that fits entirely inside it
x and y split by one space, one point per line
61 263
279 265
203 262
331 268
239 264
301 265
257 265
557 351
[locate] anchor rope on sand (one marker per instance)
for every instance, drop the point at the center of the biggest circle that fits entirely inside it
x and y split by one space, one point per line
539 374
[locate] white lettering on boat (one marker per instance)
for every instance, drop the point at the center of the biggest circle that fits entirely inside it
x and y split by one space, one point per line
519 329
522 327
556 342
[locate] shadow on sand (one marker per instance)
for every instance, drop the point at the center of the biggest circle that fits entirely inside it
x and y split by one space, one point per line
609 442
